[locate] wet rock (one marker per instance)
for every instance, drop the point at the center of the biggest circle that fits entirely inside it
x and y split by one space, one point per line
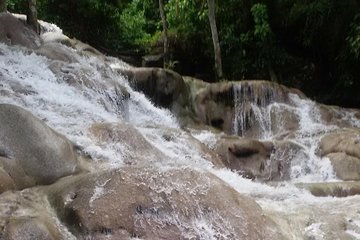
334 189
320 219
164 87
17 178
6 182
29 229
284 121
14 32
263 161
251 98
214 106
343 149
78 46
43 154
188 149
345 166
27 215
86 49
112 94
219 104
251 158
138 149
21 89
286 154
56 51
341 117
154 204
345 140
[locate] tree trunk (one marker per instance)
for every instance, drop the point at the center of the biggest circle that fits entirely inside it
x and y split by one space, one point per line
165 33
31 16
215 38
2 6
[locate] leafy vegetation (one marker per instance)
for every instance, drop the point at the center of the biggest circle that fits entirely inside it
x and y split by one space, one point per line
313 45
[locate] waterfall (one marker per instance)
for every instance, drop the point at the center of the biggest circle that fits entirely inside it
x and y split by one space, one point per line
81 93
251 103
266 112
72 97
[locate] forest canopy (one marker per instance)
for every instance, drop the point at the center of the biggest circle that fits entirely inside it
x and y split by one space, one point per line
313 45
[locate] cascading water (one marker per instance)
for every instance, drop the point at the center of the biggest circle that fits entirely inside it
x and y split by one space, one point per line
251 107
72 109
100 95
298 121
262 108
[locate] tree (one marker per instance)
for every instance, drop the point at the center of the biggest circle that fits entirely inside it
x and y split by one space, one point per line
31 16
2 6
165 32
215 38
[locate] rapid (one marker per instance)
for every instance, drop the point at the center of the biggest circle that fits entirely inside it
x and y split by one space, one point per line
101 94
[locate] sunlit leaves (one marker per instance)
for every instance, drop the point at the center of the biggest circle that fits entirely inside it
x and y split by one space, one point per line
133 24
262 27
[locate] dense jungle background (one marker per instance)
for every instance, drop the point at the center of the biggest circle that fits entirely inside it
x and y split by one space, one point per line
313 45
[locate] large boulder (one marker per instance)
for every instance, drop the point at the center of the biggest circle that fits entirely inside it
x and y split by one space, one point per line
27 215
6 181
229 106
249 157
334 189
57 51
14 32
29 229
13 176
346 167
283 122
214 105
85 49
29 146
343 149
139 150
341 117
164 87
135 149
108 90
183 147
260 160
328 218
154 204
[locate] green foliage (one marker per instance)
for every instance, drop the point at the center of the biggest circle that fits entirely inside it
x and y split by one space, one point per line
189 36
186 15
262 27
353 39
133 24
171 64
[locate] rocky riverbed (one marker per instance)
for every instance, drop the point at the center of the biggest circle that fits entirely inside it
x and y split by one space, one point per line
93 148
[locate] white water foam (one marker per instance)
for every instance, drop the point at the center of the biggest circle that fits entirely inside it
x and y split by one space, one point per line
177 146
28 82
267 114
311 129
